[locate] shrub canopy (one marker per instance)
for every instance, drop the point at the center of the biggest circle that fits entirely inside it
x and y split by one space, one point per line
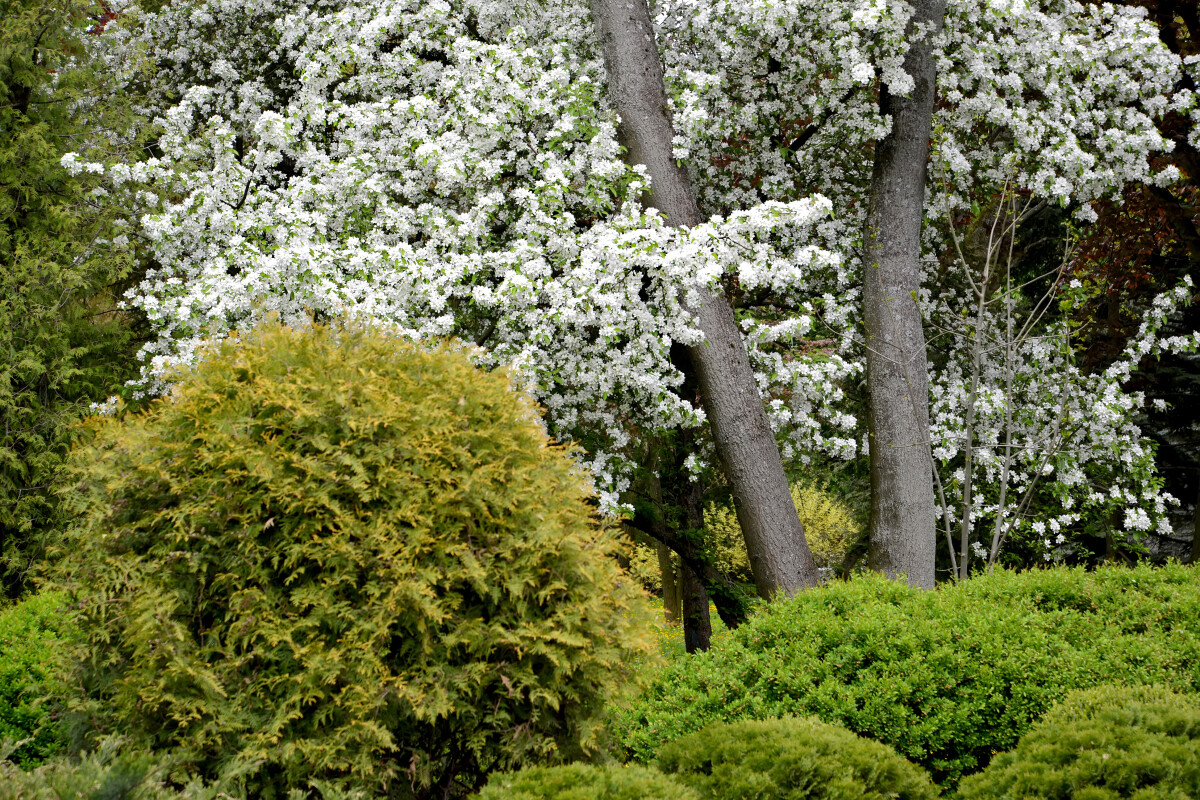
947 678
1102 744
34 635
334 556
791 759
586 782
829 527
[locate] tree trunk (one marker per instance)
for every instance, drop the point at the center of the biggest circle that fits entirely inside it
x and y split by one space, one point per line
670 589
779 555
902 535
1195 555
697 623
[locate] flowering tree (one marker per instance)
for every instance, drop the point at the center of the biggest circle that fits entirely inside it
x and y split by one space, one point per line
779 555
455 168
1055 101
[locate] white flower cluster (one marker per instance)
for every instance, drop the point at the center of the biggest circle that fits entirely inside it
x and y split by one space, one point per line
395 161
1048 434
1058 98
452 167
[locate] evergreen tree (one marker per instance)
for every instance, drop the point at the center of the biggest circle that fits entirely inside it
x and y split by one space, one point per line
62 342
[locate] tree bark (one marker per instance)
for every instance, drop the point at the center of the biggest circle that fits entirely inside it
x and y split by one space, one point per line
902 534
779 555
670 588
697 623
1195 554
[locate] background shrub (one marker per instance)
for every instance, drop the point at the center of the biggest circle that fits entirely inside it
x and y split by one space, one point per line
63 344
1102 744
107 774
586 782
791 759
32 648
829 526
333 556
947 678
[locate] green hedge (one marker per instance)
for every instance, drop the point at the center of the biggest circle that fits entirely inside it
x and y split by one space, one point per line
947 678
31 648
586 782
1102 744
791 759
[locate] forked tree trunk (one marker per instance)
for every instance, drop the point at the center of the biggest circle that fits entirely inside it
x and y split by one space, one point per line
779 554
902 535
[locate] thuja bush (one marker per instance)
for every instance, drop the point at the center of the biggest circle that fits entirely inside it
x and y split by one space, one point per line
330 558
33 638
1103 744
947 678
791 759
110 772
586 782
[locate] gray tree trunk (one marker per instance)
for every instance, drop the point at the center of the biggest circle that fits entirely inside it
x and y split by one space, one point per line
779 555
902 535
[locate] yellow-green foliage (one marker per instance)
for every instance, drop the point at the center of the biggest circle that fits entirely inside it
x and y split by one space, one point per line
33 633
106 774
644 566
586 782
791 759
829 527
336 557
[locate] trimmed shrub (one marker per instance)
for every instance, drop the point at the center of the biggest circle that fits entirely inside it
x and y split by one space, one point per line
947 678
32 648
1102 744
586 782
331 557
791 759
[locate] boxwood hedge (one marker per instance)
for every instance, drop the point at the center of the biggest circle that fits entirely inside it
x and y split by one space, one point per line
947 678
1102 744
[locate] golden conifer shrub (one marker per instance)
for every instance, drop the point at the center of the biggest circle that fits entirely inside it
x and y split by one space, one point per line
829 527
330 558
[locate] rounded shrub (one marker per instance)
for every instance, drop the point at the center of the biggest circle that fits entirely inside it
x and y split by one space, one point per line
1103 744
333 558
34 635
108 773
829 527
586 782
947 678
791 759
